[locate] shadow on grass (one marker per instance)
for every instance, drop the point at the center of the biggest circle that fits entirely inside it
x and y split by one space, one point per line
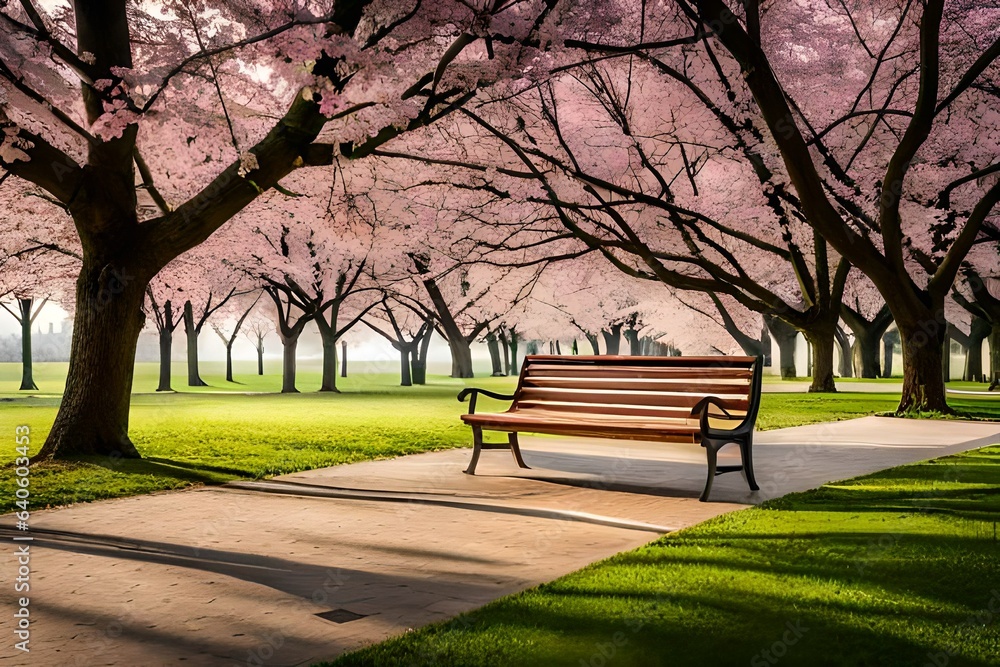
963 485
161 467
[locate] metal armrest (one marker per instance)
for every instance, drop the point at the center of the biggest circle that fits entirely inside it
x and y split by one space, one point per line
702 407
475 391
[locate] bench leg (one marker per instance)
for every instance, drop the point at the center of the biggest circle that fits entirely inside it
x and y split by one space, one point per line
516 450
746 453
712 452
477 448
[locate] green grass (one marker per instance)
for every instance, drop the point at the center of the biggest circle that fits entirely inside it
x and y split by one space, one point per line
211 435
896 568
210 438
775 379
50 377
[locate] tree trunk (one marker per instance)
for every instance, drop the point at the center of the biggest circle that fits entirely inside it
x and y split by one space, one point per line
994 339
405 379
822 342
191 332
867 339
260 355
592 339
558 351
612 338
946 357
974 350
922 339
461 357
229 362
288 346
329 382
515 369
93 414
865 354
765 346
751 347
634 344
846 355
27 377
418 363
889 340
461 352
494 347
343 358
785 336
166 347
328 334
505 349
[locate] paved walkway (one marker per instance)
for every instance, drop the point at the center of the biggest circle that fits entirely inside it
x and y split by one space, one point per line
241 575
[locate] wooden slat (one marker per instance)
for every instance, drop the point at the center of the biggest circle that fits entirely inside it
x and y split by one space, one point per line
652 411
605 408
612 360
552 370
707 386
669 430
626 397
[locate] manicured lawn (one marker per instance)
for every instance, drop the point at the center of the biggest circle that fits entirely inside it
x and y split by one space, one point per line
214 434
217 434
897 568
190 438
51 377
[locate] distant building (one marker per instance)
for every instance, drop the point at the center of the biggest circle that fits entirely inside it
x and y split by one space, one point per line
55 345
48 345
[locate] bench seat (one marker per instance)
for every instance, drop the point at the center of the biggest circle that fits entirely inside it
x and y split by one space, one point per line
660 429
708 400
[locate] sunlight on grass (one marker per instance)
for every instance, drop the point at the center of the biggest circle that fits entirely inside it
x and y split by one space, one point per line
851 576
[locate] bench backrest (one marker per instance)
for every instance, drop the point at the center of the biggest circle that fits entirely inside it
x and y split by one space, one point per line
637 386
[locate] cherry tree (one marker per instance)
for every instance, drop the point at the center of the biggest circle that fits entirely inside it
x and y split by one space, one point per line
409 330
258 326
968 326
588 297
466 300
745 327
977 295
664 201
31 278
462 257
209 284
313 267
884 119
38 258
155 124
164 296
229 330
867 315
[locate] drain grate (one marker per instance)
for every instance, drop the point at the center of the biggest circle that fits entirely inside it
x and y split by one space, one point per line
341 616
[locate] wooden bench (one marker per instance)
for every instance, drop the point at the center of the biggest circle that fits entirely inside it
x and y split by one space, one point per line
708 400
